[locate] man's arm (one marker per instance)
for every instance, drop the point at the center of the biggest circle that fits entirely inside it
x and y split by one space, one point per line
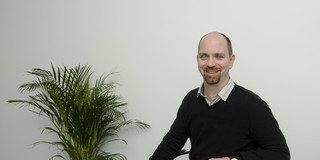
266 134
174 140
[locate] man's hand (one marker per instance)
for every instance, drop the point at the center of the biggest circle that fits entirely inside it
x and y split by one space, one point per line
223 158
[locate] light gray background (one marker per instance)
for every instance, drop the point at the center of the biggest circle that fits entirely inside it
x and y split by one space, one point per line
153 46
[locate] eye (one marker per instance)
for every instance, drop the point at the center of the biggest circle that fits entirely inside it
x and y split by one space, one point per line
203 56
219 56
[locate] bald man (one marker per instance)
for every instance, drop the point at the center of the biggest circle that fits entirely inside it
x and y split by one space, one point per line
223 120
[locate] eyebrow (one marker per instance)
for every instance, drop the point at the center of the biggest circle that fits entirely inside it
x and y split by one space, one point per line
214 53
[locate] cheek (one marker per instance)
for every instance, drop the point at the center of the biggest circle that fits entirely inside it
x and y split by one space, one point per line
200 68
201 64
225 64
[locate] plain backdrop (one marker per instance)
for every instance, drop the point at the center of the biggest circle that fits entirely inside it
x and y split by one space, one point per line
153 46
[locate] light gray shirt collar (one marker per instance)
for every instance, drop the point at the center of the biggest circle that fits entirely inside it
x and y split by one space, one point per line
223 94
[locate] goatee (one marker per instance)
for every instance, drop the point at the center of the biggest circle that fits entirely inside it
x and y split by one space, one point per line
212 81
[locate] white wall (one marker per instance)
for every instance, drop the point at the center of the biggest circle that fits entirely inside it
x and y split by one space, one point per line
153 45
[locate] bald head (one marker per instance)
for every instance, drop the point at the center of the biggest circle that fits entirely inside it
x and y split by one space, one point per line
217 36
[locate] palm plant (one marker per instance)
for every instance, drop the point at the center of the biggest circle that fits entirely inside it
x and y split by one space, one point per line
84 118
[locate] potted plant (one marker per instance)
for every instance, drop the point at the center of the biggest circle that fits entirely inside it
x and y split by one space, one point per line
84 117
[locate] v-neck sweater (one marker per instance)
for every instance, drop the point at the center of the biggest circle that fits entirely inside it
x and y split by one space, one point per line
243 126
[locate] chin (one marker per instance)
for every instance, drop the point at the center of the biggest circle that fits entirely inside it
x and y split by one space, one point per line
212 81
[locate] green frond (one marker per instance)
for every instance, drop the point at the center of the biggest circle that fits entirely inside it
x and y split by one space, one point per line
84 117
142 125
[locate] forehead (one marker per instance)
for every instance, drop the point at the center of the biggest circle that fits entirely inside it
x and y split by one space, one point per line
213 43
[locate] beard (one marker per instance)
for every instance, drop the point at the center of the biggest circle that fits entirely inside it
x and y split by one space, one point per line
212 80
209 79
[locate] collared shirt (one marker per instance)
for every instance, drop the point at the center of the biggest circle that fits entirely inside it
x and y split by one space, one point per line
223 94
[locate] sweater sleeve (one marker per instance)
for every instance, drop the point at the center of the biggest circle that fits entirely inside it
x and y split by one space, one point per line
266 134
174 140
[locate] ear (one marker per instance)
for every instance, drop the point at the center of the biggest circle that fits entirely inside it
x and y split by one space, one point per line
232 59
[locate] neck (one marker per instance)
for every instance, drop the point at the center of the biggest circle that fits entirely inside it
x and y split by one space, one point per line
213 89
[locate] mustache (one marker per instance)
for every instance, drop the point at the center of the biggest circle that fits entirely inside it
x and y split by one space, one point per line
212 69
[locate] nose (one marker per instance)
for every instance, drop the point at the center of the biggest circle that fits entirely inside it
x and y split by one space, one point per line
211 62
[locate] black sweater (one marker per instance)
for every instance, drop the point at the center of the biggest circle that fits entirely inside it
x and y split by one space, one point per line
243 126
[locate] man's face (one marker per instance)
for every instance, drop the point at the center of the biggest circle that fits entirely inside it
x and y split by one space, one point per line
214 61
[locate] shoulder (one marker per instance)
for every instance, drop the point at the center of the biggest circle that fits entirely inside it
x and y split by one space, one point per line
250 104
190 97
248 98
243 93
193 93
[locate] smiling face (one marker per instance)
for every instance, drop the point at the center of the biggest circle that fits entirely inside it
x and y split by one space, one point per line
214 60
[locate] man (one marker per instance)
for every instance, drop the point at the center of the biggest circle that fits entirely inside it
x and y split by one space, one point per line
222 119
